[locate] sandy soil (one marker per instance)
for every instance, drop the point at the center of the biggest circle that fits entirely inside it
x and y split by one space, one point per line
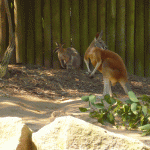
39 95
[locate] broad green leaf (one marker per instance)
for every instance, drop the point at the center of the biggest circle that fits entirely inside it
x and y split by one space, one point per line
99 105
111 118
113 101
92 99
128 101
132 96
107 98
145 127
145 98
83 109
144 110
85 98
133 108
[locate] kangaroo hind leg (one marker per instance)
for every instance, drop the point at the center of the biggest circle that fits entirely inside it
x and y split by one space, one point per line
107 87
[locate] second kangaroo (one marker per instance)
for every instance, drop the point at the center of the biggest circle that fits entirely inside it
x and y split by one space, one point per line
68 57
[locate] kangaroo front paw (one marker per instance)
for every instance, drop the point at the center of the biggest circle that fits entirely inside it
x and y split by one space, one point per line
88 72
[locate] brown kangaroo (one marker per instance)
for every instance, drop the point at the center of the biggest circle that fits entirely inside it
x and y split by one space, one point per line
97 42
68 57
110 64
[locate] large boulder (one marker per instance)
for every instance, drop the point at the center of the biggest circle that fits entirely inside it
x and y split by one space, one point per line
69 133
15 135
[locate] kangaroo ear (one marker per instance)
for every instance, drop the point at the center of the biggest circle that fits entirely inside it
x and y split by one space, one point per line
101 34
97 35
62 44
56 44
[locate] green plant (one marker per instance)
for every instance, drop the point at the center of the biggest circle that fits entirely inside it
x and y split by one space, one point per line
133 113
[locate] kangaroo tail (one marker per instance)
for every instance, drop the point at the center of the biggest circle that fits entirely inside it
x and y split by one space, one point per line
126 87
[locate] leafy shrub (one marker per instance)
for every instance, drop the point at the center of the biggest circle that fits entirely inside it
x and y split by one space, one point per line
133 113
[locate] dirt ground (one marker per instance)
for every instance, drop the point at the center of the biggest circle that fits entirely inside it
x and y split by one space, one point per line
38 95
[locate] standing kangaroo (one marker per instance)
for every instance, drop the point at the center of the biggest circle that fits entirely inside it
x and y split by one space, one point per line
68 57
110 64
97 42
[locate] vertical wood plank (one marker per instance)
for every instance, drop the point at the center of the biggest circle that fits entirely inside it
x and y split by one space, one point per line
147 38
111 24
92 22
66 23
47 34
83 29
30 29
92 19
101 11
11 7
130 21
75 24
120 28
38 34
2 29
19 15
139 38
56 29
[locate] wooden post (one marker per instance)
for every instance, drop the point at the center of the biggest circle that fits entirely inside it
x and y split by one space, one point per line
147 38
19 16
75 24
92 19
38 34
30 31
111 24
83 29
66 23
139 38
2 29
56 29
101 10
47 34
130 25
120 28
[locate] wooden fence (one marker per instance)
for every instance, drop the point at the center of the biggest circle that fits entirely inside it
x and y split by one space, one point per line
38 24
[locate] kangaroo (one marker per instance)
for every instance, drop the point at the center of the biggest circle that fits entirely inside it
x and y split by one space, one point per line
111 65
68 57
97 42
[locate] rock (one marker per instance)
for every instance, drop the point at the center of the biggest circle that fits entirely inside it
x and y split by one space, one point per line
15 135
69 133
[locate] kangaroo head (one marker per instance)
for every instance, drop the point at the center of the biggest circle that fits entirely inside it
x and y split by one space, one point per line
99 42
59 47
